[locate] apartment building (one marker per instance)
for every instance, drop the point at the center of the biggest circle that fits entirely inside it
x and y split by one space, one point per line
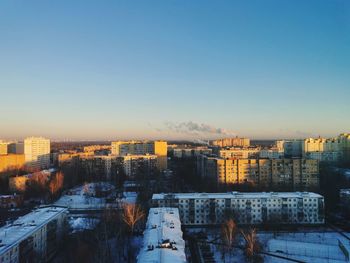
190 152
16 148
96 167
11 162
3 147
295 173
158 148
162 238
291 148
231 142
94 148
239 153
37 153
34 237
140 165
273 153
197 209
322 149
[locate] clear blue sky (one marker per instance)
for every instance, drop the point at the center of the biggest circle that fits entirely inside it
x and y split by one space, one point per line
122 69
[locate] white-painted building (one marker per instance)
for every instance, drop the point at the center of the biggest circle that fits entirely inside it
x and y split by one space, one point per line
37 153
33 237
162 238
246 208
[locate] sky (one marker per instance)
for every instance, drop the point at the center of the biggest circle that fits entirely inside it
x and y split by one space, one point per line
171 69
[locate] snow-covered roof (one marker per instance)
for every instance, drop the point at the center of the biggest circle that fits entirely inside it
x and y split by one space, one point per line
242 195
345 191
129 197
163 227
26 225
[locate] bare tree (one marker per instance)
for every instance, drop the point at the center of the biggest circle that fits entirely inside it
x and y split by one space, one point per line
228 235
252 245
228 232
56 183
132 214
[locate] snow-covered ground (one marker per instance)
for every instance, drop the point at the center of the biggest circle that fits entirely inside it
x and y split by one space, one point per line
85 196
308 245
78 224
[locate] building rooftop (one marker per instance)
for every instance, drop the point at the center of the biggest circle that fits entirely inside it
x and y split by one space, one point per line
163 237
345 191
26 225
236 195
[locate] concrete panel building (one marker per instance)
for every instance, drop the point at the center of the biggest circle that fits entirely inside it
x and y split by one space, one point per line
295 173
34 237
231 142
11 162
37 153
158 148
198 209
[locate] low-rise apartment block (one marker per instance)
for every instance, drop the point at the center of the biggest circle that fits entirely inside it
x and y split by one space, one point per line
162 238
33 237
198 209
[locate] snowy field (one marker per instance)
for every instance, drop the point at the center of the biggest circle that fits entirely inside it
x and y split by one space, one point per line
79 224
309 245
84 196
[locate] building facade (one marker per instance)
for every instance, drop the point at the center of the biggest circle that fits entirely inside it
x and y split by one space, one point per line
198 209
34 237
158 148
140 165
11 162
231 142
190 152
239 153
3 147
293 173
37 153
16 148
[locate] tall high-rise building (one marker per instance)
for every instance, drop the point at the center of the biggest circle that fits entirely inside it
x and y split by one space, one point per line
159 148
37 153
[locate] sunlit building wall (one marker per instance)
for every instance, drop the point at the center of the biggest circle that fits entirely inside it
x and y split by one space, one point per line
158 148
37 153
295 173
11 162
231 142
